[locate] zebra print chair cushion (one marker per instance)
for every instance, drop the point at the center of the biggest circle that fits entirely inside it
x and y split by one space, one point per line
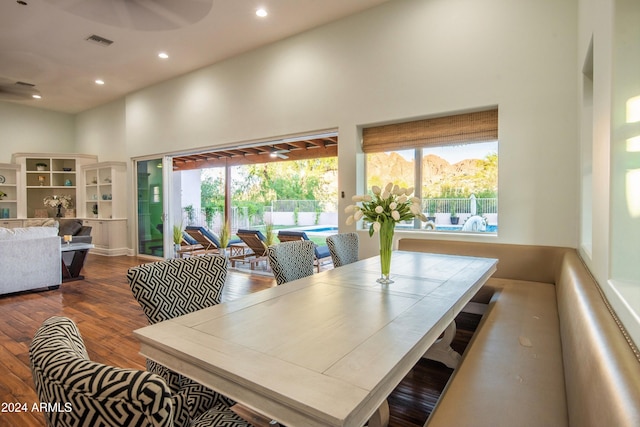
172 288
343 248
291 260
88 393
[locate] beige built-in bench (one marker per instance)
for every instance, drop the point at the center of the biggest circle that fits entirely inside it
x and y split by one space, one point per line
548 352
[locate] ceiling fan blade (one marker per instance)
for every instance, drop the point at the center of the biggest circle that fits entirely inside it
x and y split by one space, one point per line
17 91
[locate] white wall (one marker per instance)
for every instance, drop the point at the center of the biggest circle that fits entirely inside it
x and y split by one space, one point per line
33 130
405 59
614 182
102 131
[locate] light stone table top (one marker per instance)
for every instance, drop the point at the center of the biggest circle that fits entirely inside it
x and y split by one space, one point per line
65 247
325 350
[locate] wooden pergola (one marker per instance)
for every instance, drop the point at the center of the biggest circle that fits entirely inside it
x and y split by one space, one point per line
281 151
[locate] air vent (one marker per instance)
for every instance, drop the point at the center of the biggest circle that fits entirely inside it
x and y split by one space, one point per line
25 84
99 40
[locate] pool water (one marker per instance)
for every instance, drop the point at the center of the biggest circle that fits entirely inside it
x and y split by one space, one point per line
320 229
490 228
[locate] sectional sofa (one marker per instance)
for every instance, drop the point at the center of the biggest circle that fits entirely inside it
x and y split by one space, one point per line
30 258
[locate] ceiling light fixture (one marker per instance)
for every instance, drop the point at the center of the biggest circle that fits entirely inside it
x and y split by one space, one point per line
36 96
261 13
163 55
99 82
278 153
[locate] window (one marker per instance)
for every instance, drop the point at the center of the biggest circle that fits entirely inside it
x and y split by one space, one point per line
456 175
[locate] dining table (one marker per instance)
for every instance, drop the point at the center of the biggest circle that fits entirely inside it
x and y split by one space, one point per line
327 349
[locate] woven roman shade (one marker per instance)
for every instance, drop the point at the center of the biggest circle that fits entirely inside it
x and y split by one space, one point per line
481 126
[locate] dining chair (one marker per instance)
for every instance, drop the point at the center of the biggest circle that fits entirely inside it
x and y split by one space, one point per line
257 242
88 393
343 248
320 252
174 287
291 260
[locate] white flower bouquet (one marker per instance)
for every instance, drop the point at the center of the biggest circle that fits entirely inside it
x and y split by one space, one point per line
383 210
55 201
390 204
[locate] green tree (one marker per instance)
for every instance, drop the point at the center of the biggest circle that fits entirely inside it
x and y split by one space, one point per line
311 179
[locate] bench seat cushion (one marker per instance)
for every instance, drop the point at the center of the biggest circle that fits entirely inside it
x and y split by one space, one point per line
511 373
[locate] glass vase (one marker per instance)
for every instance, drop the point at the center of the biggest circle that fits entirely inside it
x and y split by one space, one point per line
59 211
386 243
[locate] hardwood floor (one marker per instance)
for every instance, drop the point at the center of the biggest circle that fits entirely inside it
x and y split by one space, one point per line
106 313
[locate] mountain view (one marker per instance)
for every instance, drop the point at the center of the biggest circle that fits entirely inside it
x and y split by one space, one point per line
440 178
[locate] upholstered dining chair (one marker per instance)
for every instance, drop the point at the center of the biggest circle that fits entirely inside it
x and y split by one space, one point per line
89 393
291 260
172 288
343 248
320 252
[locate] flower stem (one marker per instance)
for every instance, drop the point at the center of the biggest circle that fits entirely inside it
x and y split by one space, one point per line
386 243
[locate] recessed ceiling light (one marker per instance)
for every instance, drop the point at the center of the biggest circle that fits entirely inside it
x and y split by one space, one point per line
36 96
261 13
163 55
99 82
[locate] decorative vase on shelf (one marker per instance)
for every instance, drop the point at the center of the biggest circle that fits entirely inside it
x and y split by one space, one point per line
386 244
58 212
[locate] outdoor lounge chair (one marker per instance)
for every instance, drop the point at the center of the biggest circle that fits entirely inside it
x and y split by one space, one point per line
204 238
321 252
207 238
190 247
256 241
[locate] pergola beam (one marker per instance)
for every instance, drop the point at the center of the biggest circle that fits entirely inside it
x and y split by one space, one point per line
253 155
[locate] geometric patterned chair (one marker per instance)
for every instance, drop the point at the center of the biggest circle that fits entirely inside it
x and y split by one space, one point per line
343 248
291 260
173 287
88 393
320 251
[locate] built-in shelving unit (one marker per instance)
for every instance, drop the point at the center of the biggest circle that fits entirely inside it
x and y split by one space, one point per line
9 177
48 175
92 186
104 190
105 202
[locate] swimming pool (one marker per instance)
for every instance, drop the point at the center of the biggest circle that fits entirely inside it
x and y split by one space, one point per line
330 228
490 229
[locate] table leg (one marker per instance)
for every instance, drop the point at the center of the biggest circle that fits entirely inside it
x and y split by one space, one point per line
441 350
72 271
380 418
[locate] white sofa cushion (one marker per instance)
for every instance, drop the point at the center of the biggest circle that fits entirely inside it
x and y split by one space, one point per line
41 222
27 233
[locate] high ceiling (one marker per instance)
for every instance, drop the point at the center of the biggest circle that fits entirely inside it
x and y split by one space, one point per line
304 148
44 42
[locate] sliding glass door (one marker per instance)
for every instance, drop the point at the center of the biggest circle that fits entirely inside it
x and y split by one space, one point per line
150 207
